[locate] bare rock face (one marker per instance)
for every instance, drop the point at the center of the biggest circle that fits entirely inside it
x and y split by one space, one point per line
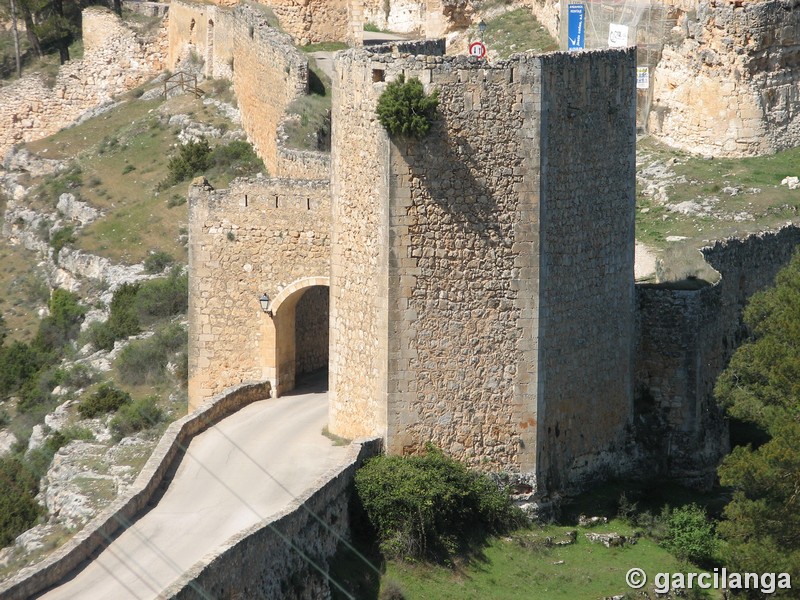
76 210
7 441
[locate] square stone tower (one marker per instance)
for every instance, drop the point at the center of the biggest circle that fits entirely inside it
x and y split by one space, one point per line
482 289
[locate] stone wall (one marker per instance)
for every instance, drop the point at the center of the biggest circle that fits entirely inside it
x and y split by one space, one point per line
686 339
312 327
115 60
729 86
474 239
312 21
586 294
167 454
287 556
258 236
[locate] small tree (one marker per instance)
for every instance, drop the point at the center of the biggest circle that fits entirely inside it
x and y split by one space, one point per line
405 110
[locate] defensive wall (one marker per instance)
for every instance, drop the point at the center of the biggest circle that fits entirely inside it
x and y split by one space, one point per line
287 556
472 272
686 338
729 82
268 74
148 485
115 60
257 236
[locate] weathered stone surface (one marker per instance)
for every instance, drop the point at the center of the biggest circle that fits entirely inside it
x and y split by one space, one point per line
115 60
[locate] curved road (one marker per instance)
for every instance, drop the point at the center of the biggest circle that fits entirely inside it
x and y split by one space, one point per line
231 477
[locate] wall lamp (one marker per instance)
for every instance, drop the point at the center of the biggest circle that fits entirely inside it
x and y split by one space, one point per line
264 301
482 28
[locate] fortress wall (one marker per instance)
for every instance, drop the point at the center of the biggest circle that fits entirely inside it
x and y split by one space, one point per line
730 86
686 339
115 60
586 324
269 73
463 207
270 248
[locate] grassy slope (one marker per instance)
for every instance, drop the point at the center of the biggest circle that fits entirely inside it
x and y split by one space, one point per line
517 31
520 567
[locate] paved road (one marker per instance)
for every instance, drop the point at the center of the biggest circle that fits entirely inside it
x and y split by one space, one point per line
324 58
199 512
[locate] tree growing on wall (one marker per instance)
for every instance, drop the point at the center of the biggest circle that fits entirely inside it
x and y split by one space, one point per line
761 385
405 110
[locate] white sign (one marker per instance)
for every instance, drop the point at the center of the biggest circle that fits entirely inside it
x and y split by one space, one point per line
617 35
643 78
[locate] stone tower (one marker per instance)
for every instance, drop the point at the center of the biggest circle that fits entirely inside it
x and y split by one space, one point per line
481 283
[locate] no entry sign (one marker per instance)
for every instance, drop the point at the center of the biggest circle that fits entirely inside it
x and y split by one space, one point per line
477 49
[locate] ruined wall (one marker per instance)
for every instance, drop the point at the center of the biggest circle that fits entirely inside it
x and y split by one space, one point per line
115 60
312 326
586 326
260 235
730 86
267 71
474 237
312 21
686 339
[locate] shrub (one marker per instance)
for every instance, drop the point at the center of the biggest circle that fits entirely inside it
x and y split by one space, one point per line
689 534
77 376
127 169
140 414
157 261
145 361
236 158
18 507
106 398
163 297
431 506
18 362
63 323
61 238
192 159
122 322
405 110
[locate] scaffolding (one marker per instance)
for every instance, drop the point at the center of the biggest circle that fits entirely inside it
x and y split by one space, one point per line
643 23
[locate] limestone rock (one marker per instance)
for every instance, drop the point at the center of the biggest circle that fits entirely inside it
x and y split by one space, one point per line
7 441
791 182
76 210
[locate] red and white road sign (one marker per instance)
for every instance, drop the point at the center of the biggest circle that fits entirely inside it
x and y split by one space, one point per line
477 49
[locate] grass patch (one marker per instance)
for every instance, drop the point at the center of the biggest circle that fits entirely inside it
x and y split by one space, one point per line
24 289
336 439
517 31
324 47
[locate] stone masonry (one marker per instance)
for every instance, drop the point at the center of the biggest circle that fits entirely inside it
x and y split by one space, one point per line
115 60
481 263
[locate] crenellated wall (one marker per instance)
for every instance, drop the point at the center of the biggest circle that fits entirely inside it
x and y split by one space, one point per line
260 235
115 60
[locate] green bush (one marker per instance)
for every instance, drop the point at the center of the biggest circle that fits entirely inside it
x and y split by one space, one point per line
405 110
157 261
431 506
122 322
689 534
18 362
236 158
192 159
18 507
61 238
163 297
77 376
145 361
63 323
140 414
106 398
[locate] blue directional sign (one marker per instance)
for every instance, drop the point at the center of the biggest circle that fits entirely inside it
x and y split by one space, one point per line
575 26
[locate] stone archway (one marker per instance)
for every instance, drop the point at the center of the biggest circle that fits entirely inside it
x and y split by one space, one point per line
299 340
